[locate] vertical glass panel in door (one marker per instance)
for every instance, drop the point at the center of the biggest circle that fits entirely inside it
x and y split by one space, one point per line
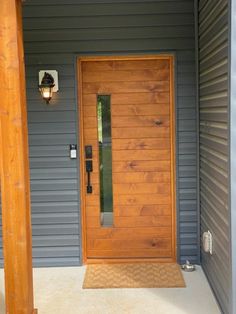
105 158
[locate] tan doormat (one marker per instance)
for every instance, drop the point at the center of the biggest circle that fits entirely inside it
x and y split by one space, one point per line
137 275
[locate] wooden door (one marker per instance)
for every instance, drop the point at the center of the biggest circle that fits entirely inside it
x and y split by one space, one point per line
140 92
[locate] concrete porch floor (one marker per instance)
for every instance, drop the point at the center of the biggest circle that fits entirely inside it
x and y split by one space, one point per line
59 291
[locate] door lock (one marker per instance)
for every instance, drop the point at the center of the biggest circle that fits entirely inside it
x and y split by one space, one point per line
88 152
89 166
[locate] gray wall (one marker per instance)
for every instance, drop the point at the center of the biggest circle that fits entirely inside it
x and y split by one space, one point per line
214 144
56 31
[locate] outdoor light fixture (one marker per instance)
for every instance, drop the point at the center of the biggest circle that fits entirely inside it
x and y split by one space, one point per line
48 83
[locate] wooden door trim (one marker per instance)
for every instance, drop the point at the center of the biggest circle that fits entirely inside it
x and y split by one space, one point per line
82 161
173 156
80 60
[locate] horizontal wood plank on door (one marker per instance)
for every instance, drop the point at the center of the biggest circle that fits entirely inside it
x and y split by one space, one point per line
90 134
158 97
135 188
137 132
139 109
129 75
93 222
130 110
147 242
129 253
93 211
125 65
94 178
89 100
142 221
134 177
141 188
125 99
124 233
89 122
90 111
131 121
142 210
140 143
107 88
141 177
133 221
140 199
159 164
122 155
140 165
92 200
140 121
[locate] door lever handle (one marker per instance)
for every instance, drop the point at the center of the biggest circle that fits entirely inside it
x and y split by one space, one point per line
89 169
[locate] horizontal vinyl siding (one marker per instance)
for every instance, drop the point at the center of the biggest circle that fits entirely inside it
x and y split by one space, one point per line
55 32
213 55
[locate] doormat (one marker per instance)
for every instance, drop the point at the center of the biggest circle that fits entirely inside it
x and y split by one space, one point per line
136 275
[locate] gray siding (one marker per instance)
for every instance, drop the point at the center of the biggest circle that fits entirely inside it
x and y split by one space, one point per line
213 80
56 31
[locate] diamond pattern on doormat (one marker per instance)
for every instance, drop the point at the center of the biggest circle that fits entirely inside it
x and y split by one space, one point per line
136 275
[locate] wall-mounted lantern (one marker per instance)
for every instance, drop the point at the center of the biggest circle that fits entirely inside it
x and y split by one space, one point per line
48 83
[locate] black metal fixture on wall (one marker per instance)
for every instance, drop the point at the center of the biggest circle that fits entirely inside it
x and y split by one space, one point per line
48 83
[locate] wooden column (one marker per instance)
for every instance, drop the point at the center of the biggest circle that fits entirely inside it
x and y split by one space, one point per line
14 163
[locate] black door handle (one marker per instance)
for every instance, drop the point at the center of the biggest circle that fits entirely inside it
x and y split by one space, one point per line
89 169
89 166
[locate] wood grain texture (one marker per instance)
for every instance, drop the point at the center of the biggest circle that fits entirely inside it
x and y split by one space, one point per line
143 158
123 233
141 165
134 144
142 177
140 110
143 210
125 87
126 65
131 121
129 75
148 199
137 98
14 164
157 155
141 132
141 188
141 143
139 243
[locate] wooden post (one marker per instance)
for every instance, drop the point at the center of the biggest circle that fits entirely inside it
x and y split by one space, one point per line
14 163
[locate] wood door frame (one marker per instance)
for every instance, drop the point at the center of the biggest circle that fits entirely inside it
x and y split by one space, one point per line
80 60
